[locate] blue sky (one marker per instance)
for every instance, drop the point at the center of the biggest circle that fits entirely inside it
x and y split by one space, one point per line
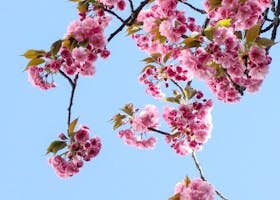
241 159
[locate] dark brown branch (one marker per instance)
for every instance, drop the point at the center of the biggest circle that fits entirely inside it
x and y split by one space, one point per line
130 20
67 77
239 88
203 12
205 24
199 168
159 131
131 6
270 26
276 21
114 14
72 98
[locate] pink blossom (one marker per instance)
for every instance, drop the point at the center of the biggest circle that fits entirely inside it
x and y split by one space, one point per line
200 190
196 189
38 78
148 118
82 135
132 140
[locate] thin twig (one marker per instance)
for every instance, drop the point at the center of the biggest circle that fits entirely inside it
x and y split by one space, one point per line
180 88
67 77
205 24
131 6
270 26
114 14
199 168
130 20
159 131
203 12
276 21
239 88
72 98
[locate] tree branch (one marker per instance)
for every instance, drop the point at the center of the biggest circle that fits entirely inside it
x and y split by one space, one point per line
72 98
203 12
160 132
67 77
131 6
198 167
130 20
114 14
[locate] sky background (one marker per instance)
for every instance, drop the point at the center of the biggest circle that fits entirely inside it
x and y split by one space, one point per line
241 159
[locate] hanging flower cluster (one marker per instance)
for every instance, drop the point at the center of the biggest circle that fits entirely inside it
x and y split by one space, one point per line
80 148
196 189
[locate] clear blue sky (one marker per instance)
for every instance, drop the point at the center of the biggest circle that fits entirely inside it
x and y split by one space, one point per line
241 159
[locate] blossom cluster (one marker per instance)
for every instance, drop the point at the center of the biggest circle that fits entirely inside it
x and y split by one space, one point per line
140 125
81 148
195 189
191 125
75 54
228 63
244 14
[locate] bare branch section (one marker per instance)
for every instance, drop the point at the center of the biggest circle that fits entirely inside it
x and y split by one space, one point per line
203 12
276 20
114 14
130 20
131 6
67 77
199 168
160 132
75 81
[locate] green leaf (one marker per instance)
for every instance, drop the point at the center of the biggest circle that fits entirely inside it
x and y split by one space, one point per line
155 56
72 126
35 62
189 92
83 6
214 4
55 146
191 42
31 54
147 67
172 99
133 28
118 120
252 33
149 60
265 42
224 23
209 33
166 57
128 109
55 47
